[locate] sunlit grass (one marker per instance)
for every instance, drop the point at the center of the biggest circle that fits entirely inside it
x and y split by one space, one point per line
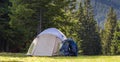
20 57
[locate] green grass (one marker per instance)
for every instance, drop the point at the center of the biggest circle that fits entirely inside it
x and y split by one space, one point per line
20 57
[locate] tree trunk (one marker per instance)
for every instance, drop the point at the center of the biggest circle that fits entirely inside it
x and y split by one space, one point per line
40 22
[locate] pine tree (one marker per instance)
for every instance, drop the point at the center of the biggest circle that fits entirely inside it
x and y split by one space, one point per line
110 26
90 39
115 44
23 24
4 24
69 20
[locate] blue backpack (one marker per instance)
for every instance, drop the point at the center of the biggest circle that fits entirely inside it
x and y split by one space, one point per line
69 48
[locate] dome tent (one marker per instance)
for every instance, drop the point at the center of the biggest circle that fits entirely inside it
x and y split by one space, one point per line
47 43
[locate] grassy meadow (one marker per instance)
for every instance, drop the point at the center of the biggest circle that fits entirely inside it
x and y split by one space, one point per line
20 57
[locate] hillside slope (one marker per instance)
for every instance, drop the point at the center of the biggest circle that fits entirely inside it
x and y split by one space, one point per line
101 8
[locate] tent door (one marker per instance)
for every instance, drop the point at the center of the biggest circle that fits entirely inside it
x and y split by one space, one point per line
56 46
45 45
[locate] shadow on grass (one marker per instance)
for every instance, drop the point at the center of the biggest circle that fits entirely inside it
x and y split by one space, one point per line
23 55
68 57
13 55
75 57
